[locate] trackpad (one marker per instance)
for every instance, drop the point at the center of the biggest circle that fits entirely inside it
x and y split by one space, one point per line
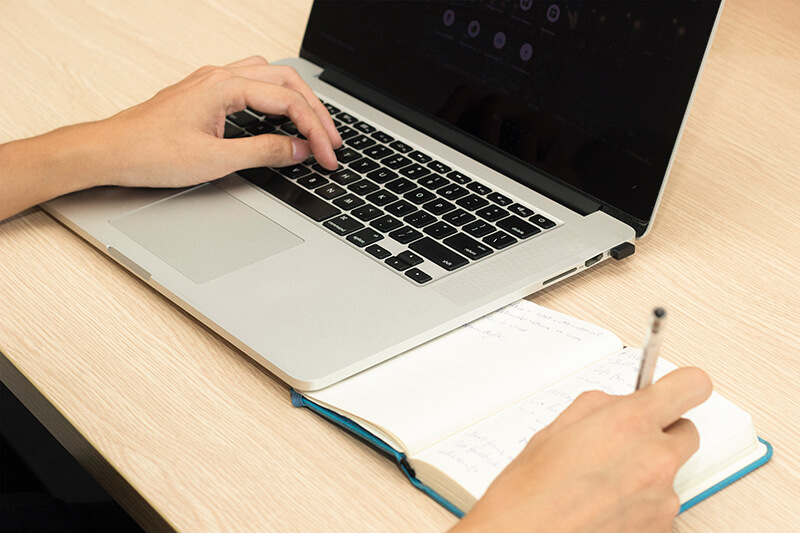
205 233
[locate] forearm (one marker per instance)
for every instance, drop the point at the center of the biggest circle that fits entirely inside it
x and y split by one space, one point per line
37 169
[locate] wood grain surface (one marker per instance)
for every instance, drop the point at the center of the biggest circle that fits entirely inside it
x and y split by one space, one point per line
189 434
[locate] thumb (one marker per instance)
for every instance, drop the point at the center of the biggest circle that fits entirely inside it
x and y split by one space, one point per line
263 151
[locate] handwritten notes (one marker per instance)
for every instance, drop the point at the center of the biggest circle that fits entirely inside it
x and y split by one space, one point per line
475 456
437 389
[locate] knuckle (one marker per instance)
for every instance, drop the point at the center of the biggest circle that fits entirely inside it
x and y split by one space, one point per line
592 398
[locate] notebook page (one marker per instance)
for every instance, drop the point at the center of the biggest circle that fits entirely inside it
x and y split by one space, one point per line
447 384
474 457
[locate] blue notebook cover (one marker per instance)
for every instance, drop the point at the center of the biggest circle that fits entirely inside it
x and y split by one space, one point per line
298 400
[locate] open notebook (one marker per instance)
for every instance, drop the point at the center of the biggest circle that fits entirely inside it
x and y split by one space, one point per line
456 411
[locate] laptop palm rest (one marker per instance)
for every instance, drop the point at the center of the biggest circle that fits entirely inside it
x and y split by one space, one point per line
205 233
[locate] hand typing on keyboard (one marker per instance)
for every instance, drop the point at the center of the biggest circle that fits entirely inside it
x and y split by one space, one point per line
175 139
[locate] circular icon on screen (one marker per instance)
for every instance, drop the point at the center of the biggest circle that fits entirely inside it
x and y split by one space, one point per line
474 28
449 17
553 12
499 40
525 4
525 52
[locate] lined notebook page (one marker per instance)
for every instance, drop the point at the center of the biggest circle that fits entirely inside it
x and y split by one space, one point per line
474 457
445 385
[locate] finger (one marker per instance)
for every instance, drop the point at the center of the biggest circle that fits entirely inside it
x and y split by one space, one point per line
274 99
248 62
259 151
288 77
674 394
684 438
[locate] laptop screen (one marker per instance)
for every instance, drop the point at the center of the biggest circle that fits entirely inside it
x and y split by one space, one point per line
592 93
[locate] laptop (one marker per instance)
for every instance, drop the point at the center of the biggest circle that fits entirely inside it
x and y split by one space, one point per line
491 149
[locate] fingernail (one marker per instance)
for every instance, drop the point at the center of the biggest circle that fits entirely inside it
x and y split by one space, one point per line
300 150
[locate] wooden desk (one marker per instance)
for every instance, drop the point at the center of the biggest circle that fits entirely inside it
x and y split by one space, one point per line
187 433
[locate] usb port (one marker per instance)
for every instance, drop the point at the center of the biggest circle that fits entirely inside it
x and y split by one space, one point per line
593 261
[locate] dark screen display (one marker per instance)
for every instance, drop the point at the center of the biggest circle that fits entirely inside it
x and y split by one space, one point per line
592 93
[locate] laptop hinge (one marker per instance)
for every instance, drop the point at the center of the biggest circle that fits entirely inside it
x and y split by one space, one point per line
542 183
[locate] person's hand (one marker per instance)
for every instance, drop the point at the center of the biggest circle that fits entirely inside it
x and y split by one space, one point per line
175 139
607 463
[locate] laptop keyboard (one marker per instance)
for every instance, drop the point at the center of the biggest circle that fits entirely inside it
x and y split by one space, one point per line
416 215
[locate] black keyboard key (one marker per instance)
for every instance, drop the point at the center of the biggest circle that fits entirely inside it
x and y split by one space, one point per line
295 171
232 132
397 263
343 224
499 240
386 223
345 176
363 127
499 199
331 109
479 188
419 196
400 208
290 128
312 181
378 251
472 202
419 157
382 137
492 213
363 187
453 191
410 257
396 161
439 230
259 128
479 228
307 203
438 207
518 227
433 182
521 210
439 167
438 254
346 118
363 165
242 119
401 147
378 152
543 222
458 177
459 217
381 197
367 212
364 237
345 154
359 142
418 275
467 246
420 219
405 235
400 185
382 175
330 191
319 169
277 120
349 201
345 132
414 171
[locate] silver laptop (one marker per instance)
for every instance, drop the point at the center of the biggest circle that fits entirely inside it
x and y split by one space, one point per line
490 150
